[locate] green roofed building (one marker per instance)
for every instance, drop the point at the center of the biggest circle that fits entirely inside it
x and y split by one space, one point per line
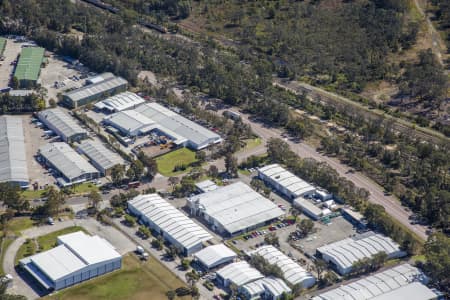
29 66
2 45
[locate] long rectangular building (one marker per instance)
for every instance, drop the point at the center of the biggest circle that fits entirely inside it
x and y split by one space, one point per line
78 257
13 161
122 101
234 209
343 254
154 117
401 282
96 91
238 273
100 156
72 167
293 273
29 65
173 225
285 182
62 124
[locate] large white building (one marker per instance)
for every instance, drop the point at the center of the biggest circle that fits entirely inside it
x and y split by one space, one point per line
238 273
234 208
122 101
13 161
62 124
78 257
100 156
169 222
293 273
268 288
154 117
401 282
71 166
214 256
285 182
343 254
308 208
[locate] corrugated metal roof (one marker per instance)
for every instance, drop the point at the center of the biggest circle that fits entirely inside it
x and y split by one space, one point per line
62 121
346 252
29 64
95 88
286 179
101 155
292 272
211 255
275 286
308 205
206 186
13 161
239 273
236 206
170 220
66 160
394 283
120 102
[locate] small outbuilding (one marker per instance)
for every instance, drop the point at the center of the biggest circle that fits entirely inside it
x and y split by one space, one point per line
214 256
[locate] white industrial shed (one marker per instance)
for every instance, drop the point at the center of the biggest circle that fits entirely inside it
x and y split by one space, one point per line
206 186
72 166
285 182
269 288
214 256
78 257
13 161
234 208
308 208
62 124
401 282
343 254
154 117
238 273
292 272
173 225
100 156
122 101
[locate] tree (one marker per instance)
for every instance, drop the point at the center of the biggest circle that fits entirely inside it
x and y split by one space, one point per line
54 201
231 165
130 174
213 171
117 174
437 254
305 227
157 244
138 169
272 239
130 221
185 264
200 156
11 198
173 181
144 232
94 198
171 295
149 163
52 103
319 265
5 296
294 212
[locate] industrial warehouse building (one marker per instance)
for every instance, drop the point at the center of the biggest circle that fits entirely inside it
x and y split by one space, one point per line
29 65
13 161
343 254
234 209
285 182
268 288
238 273
78 257
206 186
154 117
293 273
308 208
401 282
103 86
100 156
71 166
122 101
169 222
62 124
214 256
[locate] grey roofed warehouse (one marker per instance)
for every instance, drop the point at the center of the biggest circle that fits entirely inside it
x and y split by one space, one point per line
72 166
100 156
13 163
62 124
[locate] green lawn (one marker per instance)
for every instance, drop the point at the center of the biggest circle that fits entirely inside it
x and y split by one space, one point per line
17 225
136 280
84 188
167 162
6 242
30 195
252 143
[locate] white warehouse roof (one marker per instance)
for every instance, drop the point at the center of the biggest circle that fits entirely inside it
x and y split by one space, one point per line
295 185
346 252
120 102
236 206
214 255
292 272
66 160
62 121
13 162
170 220
275 286
206 186
96 88
75 252
239 273
405 281
98 153
308 207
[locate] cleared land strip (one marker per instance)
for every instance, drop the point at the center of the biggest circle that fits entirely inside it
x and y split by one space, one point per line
371 114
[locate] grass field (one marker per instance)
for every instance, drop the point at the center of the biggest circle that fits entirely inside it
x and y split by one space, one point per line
167 162
84 188
135 281
30 195
252 143
16 225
